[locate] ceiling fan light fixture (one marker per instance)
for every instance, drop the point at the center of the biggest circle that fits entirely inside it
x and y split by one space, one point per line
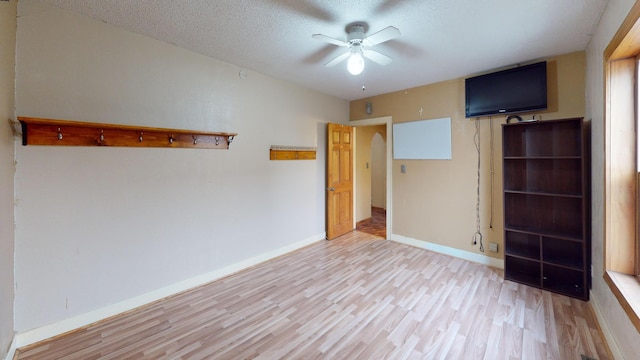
359 47
355 65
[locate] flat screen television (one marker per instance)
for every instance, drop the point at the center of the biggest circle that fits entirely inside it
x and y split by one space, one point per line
506 92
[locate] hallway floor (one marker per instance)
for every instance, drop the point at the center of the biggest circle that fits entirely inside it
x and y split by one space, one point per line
375 225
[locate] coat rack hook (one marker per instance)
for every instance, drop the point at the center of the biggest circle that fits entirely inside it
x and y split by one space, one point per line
101 135
140 138
195 140
217 140
59 134
229 139
171 139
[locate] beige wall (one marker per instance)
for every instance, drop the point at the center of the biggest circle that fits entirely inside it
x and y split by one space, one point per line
363 186
435 200
97 226
624 336
7 79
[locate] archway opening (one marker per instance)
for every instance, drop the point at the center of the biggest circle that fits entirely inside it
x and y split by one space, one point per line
376 223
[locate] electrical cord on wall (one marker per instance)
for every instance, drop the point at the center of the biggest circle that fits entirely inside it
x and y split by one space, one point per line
477 236
491 171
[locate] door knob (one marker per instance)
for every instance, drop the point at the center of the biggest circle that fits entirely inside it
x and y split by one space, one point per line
331 188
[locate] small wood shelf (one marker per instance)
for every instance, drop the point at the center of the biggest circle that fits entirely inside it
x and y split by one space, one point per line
542 158
292 153
538 233
536 193
37 131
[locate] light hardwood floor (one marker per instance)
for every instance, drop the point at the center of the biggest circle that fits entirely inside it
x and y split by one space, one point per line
357 297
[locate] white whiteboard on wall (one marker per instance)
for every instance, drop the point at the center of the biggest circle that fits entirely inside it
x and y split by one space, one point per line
423 139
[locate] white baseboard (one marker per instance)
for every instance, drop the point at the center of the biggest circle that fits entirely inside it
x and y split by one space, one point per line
466 255
604 326
79 321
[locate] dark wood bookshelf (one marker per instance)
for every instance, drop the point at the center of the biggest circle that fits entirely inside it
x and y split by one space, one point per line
546 205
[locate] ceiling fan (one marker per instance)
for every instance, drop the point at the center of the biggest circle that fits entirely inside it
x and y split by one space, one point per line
359 46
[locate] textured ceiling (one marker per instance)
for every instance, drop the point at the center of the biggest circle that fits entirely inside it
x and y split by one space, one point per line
441 39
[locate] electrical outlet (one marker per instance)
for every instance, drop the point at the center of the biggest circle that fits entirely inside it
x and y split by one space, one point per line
493 247
403 168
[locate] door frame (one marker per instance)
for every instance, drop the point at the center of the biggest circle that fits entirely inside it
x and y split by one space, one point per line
388 121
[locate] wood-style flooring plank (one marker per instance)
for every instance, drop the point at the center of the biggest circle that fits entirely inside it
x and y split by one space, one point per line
356 297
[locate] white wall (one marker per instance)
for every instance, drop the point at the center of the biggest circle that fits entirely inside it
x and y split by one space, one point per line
99 225
7 78
617 323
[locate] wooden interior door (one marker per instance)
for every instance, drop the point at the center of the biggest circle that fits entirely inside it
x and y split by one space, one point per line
339 180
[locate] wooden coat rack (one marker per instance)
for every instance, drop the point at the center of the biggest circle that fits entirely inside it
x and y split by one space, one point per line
36 131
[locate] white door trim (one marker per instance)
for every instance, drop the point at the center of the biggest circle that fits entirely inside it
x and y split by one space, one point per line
388 121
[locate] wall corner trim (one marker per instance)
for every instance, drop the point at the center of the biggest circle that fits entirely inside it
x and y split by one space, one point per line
48 331
604 327
462 254
12 350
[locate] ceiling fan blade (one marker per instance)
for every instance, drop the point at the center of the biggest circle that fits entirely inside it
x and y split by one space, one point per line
386 34
376 57
338 59
330 40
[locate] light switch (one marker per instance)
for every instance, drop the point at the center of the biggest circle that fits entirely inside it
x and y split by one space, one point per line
403 168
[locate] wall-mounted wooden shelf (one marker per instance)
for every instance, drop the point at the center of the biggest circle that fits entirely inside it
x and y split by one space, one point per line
292 153
36 131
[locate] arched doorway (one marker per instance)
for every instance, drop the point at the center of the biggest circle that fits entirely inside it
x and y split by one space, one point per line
378 172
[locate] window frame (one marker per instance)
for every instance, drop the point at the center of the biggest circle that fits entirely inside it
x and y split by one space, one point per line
621 171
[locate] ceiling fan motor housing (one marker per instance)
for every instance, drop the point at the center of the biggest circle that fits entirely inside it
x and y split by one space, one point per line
356 34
